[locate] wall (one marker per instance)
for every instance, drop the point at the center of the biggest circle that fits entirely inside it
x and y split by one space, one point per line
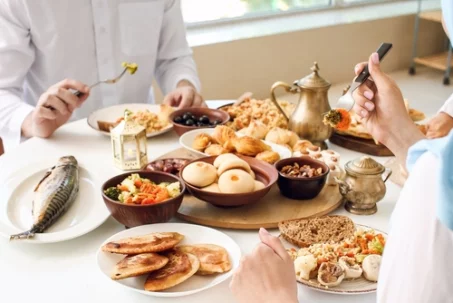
229 69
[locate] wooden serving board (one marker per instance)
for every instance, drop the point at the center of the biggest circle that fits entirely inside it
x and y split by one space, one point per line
361 145
266 213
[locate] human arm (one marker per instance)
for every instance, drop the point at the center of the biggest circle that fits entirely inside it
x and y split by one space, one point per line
176 71
54 107
267 275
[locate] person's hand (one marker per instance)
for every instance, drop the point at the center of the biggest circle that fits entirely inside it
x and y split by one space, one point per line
267 275
380 104
439 126
54 108
184 96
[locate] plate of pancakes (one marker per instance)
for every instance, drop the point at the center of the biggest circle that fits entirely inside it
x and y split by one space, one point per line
168 259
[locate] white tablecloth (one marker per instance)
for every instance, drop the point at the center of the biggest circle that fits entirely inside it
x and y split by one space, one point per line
67 271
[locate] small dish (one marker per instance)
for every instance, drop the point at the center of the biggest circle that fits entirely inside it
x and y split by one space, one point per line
193 234
301 188
212 114
112 113
264 172
136 215
169 165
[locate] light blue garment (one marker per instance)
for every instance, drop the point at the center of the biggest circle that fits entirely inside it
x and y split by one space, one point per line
447 12
443 149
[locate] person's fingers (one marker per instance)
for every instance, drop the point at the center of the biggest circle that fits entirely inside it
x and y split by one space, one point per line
172 99
59 105
374 68
69 98
362 112
73 84
364 98
187 99
274 243
198 101
46 113
359 67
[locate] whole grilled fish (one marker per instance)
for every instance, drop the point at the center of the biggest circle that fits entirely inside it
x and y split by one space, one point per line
54 194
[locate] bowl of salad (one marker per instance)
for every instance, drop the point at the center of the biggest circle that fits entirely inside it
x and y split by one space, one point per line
143 197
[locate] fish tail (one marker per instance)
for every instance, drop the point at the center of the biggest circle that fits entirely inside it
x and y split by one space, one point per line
25 235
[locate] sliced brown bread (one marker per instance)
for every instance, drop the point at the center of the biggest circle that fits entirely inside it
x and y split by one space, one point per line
304 232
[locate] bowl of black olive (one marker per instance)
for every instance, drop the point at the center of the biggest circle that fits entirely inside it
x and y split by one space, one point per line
188 119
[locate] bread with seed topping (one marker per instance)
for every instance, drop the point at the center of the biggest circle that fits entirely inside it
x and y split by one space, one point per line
305 232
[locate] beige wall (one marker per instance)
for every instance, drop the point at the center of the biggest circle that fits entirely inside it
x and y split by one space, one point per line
229 69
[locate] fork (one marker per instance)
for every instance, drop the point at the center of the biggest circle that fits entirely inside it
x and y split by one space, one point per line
108 81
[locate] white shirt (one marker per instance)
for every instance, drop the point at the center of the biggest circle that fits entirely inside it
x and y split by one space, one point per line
417 265
43 42
448 106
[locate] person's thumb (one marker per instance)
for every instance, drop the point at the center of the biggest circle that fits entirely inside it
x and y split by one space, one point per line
274 243
374 67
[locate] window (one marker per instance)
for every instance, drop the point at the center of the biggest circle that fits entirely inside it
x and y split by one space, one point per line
200 11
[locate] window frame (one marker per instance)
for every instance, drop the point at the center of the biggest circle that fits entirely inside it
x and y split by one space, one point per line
335 5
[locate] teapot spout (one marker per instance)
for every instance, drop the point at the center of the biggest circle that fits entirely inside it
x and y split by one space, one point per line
345 188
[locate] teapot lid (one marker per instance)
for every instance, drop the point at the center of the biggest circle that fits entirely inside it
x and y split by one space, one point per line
365 166
313 80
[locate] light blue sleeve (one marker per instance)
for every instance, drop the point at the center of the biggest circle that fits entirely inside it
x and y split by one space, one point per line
443 149
447 12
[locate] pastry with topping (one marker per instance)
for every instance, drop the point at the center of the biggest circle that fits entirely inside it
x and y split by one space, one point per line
338 118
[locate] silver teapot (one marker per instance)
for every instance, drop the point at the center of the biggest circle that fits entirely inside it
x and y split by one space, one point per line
364 185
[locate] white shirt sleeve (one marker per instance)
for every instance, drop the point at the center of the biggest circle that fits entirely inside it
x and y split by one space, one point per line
416 265
174 58
16 57
448 106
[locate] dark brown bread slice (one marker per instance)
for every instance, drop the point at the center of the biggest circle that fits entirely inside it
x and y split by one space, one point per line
304 232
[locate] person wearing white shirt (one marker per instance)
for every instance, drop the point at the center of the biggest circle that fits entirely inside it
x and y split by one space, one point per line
442 123
50 48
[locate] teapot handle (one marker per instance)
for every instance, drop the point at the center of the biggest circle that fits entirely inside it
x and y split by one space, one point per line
389 170
288 88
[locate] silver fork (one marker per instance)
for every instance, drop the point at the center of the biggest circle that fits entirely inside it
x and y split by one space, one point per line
108 81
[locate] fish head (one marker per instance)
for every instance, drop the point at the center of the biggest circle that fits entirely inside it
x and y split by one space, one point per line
67 160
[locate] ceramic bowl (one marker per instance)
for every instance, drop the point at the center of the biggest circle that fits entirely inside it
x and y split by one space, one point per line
264 172
213 114
136 215
301 188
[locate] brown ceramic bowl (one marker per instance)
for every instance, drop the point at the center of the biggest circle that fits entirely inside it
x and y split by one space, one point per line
301 188
136 215
264 172
213 114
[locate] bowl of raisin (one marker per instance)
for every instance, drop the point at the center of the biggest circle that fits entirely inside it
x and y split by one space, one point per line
188 119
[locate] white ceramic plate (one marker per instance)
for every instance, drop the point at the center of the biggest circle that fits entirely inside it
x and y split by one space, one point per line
112 113
347 287
187 139
194 234
16 195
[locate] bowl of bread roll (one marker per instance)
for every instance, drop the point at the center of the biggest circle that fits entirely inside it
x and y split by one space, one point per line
229 180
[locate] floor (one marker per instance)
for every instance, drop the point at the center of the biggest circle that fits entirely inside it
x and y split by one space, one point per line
424 91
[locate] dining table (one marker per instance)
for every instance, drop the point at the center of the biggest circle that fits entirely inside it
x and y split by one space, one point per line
67 271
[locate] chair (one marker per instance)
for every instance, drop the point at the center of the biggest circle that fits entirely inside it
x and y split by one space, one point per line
2 150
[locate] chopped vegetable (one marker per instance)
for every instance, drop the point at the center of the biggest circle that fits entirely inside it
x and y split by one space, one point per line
141 191
338 118
359 258
112 193
376 245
